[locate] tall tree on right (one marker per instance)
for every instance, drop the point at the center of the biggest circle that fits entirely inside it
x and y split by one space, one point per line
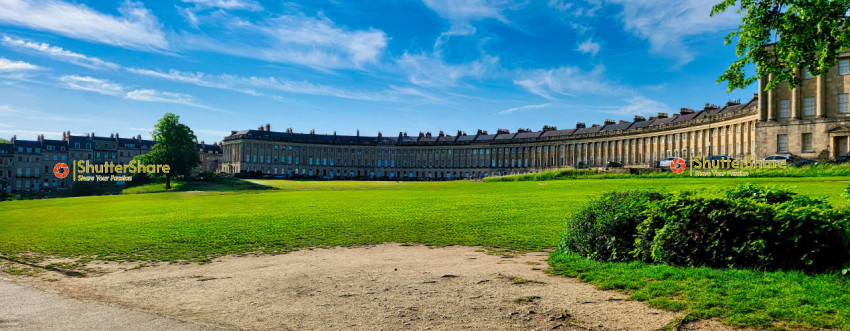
782 36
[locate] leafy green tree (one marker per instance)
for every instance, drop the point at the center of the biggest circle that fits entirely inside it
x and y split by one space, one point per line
4 141
175 146
781 36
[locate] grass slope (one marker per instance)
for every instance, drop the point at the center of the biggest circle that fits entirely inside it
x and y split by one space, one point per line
200 225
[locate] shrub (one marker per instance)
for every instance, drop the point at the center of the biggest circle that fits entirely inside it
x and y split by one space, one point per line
747 227
605 229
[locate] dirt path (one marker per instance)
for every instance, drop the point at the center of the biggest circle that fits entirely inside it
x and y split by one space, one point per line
384 287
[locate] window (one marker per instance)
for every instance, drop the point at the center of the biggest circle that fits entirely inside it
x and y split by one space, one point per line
807 74
782 143
843 103
807 142
843 67
809 106
784 108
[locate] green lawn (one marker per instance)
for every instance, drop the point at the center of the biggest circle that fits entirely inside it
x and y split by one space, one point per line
200 225
525 215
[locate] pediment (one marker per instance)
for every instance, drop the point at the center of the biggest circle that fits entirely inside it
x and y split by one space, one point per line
841 129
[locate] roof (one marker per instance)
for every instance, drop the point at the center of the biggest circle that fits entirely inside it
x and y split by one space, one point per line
557 133
446 138
686 117
505 136
208 148
27 143
485 137
527 135
465 138
592 129
617 126
660 121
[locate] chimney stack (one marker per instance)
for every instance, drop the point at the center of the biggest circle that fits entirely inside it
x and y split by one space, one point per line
268 127
662 115
685 111
580 125
639 118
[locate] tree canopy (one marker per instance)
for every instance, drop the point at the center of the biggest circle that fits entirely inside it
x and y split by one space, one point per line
175 146
4 141
782 36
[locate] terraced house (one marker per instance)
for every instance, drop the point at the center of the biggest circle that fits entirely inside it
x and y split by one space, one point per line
812 120
27 165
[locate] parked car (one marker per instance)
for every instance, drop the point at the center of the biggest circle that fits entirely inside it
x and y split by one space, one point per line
665 163
790 159
841 159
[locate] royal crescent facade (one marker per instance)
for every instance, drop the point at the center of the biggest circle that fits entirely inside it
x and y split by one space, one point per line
811 120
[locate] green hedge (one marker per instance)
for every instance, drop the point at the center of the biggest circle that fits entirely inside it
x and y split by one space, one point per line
745 227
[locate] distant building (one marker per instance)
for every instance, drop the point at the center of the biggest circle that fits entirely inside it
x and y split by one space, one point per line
812 121
27 165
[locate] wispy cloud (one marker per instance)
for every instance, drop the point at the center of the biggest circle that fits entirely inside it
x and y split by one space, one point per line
667 25
524 108
315 42
135 28
427 70
9 65
567 81
196 78
105 87
589 47
91 84
59 53
227 4
461 13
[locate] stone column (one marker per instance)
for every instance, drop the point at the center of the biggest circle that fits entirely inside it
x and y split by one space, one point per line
820 97
770 114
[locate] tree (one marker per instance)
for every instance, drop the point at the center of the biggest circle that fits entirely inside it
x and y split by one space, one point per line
781 36
175 146
4 141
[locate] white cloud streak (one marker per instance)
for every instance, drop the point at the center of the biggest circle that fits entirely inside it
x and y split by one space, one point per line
524 108
59 53
105 87
135 28
9 65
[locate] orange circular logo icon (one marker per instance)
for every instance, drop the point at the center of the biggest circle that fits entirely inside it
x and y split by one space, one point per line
60 170
677 165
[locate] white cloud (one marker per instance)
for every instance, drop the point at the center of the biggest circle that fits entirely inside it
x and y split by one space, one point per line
59 53
430 71
462 12
227 4
567 81
667 25
642 106
105 87
524 108
9 65
91 84
135 28
196 78
589 47
249 85
315 42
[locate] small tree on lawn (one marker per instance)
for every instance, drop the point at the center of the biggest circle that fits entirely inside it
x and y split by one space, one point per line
175 146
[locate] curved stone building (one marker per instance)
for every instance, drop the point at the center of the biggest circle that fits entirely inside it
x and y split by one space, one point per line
812 121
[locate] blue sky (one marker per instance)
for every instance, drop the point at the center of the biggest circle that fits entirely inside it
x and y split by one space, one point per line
390 66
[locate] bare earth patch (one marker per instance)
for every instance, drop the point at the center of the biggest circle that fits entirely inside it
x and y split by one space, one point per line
383 287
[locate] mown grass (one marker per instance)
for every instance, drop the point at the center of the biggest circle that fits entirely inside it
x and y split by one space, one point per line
764 300
194 225
821 170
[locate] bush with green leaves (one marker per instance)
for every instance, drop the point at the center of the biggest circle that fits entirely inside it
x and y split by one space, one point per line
605 229
747 227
